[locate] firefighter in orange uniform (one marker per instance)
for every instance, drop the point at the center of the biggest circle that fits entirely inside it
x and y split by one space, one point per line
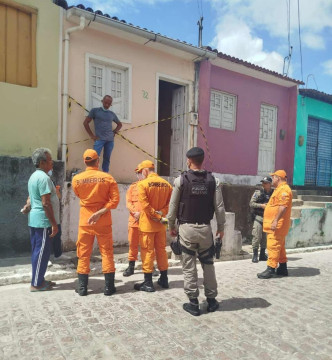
276 223
154 194
133 231
98 193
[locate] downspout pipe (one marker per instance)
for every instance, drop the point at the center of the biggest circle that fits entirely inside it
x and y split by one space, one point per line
196 97
65 87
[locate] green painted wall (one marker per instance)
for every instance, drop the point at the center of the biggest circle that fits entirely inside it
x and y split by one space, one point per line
306 107
30 115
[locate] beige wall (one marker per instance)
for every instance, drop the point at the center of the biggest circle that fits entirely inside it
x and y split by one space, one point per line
29 116
146 64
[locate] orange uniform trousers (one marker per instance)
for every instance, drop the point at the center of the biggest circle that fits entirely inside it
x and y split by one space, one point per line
133 239
86 236
276 249
153 244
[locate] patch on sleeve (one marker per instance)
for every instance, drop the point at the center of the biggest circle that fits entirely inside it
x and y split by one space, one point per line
284 196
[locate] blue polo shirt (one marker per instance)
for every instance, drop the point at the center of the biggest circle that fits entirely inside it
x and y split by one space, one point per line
103 123
41 184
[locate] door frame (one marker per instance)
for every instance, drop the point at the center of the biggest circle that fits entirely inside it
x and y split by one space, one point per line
274 144
189 96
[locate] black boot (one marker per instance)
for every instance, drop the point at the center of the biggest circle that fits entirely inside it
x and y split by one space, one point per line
146 285
213 304
282 269
109 284
82 284
163 280
255 256
130 269
262 255
192 307
267 274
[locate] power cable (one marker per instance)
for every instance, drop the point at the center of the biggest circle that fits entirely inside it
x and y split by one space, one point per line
200 8
290 48
288 22
299 21
313 78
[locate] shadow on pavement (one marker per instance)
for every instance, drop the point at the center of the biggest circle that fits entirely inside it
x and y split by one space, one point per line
235 304
65 286
291 258
302 271
176 284
128 286
175 271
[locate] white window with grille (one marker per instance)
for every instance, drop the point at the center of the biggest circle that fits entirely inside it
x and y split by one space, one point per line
222 110
108 78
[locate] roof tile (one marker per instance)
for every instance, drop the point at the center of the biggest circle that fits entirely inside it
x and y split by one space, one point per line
315 94
220 54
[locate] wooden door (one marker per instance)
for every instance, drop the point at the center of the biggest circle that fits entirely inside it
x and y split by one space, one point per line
178 145
267 139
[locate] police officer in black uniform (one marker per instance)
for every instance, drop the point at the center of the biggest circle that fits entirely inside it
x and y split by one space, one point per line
195 198
257 205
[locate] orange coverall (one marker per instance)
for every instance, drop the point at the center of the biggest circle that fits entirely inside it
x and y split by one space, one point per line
96 190
154 194
133 230
282 196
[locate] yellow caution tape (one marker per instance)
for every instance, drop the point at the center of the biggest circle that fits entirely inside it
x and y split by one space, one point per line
122 136
139 126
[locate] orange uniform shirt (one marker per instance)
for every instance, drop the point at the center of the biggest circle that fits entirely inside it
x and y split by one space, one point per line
96 190
282 196
154 194
132 203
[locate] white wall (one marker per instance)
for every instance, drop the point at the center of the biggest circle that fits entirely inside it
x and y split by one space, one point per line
313 228
239 179
232 242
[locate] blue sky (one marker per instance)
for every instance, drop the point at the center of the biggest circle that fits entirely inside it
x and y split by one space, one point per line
253 30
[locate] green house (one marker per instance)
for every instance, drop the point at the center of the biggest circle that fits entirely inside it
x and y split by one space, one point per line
313 143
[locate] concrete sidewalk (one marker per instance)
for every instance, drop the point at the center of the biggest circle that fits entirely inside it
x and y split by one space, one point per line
18 270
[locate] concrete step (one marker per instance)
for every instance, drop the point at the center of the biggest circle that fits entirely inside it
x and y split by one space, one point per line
319 198
297 202
294 192
306 192
316 204
297 210
314 192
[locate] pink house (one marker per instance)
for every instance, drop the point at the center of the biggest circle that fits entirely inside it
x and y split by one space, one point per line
248 117
152 81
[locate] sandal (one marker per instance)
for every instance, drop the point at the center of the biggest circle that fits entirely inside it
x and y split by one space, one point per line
40 288
44 287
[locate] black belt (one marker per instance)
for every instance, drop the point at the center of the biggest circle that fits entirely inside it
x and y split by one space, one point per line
193 223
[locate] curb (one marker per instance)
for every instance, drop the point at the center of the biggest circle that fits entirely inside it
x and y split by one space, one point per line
21 273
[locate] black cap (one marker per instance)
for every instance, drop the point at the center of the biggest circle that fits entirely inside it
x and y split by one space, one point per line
194 152
266 179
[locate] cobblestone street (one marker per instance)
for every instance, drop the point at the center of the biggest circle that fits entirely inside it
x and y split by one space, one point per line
280 318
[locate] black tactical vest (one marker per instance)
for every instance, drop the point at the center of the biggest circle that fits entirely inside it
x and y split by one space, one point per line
197 195
262 199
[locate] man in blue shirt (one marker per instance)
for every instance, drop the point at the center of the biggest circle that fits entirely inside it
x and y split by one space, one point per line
104 137
43 217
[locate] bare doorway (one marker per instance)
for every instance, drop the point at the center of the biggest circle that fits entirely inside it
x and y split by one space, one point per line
171 132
